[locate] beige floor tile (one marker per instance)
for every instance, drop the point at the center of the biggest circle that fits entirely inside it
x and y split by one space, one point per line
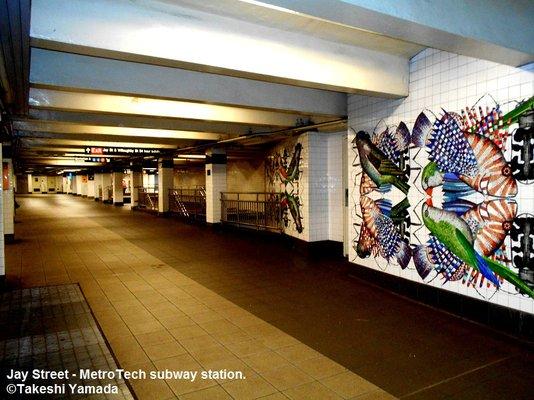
199 343
152 389
274 396
205 356
138 328
172 321
286 377
219 326
234 337
181 387
348 385
164 350
320 367
311 391
251 388
152 338
265 361
180 362
375 395
212 393
297 352
186 332
246 348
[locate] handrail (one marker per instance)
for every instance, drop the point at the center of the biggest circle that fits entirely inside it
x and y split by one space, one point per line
258 210
147 200
188 203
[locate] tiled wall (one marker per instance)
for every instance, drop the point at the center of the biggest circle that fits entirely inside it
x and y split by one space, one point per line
190 177
441 80
245 175
320 185
2 248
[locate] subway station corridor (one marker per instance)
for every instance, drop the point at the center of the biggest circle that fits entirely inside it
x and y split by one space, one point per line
168 294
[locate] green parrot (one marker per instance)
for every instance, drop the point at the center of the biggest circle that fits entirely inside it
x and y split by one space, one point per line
454 233
378 166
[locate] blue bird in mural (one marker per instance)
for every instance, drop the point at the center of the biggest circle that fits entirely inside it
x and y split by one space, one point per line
463 153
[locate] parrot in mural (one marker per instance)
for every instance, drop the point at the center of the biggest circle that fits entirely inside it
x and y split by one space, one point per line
376 164
454 234
291 173
292 203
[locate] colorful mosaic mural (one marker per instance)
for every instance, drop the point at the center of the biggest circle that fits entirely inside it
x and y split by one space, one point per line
283 172
443 198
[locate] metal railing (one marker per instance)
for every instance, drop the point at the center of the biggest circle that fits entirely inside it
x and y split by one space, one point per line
188 203
147 198
257 210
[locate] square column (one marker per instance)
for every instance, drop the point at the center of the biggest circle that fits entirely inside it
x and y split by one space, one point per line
165 182
97 183
136 182
118 192
8 196
74 185
91 186
84 184
30 183
106 182
2 252
215 184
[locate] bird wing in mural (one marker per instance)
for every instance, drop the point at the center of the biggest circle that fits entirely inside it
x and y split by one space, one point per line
490 223
294 164
421 130
376 164
489 124
494 175
292 203
449 148
388 238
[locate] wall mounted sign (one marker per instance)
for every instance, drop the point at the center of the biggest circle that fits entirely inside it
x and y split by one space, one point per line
98 159
101 151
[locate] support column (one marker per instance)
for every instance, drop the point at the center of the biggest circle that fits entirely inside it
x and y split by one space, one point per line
91 186
106 182
30 183
84 184
215 184
118 192
165 182
64 184
2 252
74 185
98 186
8 195
136 182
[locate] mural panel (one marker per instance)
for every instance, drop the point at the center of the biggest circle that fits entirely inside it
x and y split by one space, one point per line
449 199
283 173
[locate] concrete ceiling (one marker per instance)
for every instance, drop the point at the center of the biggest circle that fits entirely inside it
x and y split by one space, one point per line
184 74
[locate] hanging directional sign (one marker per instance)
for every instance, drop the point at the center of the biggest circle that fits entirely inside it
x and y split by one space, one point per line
103 151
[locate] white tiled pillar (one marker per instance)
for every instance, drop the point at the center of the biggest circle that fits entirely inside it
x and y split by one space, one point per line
30 183
9 199
106 182
65 184
74 184
97 183
84 185
2 252
136 181
215 184
91 186
165 182
118 193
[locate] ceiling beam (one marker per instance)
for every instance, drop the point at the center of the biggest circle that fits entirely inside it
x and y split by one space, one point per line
129 105
33 141
65 70
83 129
170 35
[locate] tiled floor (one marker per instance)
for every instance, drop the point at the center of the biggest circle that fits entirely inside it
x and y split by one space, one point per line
169 294
52 328
157 318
